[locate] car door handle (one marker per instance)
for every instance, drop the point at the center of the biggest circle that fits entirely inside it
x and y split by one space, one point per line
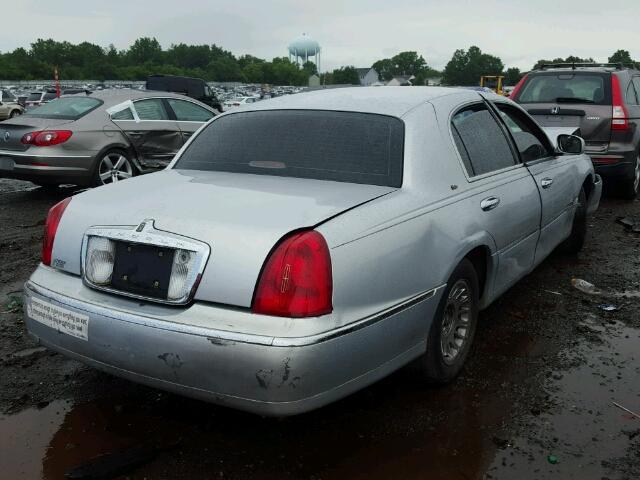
489 203
546 182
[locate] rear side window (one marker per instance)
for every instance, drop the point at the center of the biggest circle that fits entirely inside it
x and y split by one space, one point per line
125 114
69 108
567 88
188 111
635 87
318 144
480 141
151 109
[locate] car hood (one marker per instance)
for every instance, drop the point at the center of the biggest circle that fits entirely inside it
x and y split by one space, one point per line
240 216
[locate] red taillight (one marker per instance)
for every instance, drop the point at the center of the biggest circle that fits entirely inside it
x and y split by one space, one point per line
620 117
46 138
296 281
51 227
517 88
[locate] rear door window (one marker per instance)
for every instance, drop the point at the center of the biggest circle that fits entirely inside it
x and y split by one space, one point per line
636 87
479 138
317 144
566 88
188 111
528 137
151 109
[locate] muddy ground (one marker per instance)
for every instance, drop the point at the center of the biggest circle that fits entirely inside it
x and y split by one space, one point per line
534 402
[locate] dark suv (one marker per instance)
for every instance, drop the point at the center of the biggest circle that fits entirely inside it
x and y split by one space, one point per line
603 102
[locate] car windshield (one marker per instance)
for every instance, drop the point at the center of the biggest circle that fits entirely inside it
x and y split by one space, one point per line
565 88
324 145
34 97
71 108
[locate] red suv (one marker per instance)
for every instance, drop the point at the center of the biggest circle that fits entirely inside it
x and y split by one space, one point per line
603 102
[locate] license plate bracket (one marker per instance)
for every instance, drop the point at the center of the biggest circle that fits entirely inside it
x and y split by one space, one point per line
141 269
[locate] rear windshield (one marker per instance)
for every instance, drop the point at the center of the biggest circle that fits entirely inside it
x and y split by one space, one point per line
71 108
323 145
566 88
34 97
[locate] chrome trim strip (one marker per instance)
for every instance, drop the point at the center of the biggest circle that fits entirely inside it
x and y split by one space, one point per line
214 335
48 168
9 153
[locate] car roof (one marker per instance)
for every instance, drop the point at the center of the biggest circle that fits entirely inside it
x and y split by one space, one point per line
111 97
394 101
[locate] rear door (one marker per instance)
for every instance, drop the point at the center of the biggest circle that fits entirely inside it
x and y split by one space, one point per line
557 177
506 199
154 135
189 115
633 100
580 99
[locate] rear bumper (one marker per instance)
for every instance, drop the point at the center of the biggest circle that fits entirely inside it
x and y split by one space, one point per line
54 167
614 165
274 376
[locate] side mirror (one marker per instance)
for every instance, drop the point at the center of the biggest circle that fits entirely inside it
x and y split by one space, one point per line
571 144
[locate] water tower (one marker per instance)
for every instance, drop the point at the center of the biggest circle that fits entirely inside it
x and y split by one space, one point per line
304 47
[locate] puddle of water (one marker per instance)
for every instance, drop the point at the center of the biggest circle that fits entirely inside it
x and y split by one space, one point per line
26 437
587 432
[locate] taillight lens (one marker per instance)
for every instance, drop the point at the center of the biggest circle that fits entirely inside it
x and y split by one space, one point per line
296 280
517 88
620 116
46 138
51 227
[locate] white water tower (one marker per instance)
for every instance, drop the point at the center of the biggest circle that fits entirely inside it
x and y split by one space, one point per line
303 48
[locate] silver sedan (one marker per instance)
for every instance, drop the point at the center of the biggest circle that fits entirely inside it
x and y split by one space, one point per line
300 249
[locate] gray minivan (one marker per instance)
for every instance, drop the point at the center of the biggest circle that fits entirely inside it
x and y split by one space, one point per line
603 102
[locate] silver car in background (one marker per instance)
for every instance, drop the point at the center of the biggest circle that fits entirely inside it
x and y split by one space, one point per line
300 249
104 137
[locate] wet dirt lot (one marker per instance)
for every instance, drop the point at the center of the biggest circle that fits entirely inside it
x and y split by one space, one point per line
534 402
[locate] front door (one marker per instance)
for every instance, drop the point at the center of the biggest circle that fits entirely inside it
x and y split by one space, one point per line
556 176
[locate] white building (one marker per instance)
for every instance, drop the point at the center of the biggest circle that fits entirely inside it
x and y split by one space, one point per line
367 76
401 80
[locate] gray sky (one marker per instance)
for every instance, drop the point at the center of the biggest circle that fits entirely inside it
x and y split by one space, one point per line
355 32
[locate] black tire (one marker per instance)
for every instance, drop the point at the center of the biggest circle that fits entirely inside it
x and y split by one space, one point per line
14 113
574 243
101 167
628 187
437 366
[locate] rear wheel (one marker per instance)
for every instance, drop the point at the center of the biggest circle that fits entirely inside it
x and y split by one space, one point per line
629 186
574 243
454 326
113 166
14 113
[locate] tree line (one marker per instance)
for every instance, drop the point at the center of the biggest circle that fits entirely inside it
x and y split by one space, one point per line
211 62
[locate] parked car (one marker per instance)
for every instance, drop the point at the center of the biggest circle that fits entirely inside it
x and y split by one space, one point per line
195 88
240 101
35 99
603 100
358 230
9 106
99 138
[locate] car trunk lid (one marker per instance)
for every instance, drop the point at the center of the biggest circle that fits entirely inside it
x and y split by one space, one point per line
240 216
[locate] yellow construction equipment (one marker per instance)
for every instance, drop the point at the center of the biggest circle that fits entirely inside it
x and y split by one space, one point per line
494 82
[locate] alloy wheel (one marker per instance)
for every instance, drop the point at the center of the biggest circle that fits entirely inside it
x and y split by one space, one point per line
456 323
114 167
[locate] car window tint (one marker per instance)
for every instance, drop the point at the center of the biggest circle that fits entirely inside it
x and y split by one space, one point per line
636 85
566 88
317 144
34 97
125 114
481 141
151 109
530 140
69 108
189 111
50 96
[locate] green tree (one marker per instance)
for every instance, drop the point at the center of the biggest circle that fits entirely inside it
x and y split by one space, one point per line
145 50
512 76
624 57
346 76
466 67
